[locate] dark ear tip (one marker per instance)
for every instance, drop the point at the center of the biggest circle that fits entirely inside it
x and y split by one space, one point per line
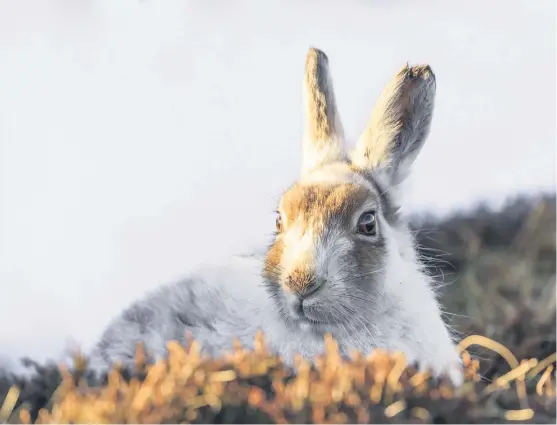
314 54
421 71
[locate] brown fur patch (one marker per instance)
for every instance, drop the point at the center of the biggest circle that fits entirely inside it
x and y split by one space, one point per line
300 279
311 208
315 205
272 267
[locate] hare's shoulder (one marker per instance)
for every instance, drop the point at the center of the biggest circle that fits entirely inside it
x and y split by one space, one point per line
239 278
208 294
210 300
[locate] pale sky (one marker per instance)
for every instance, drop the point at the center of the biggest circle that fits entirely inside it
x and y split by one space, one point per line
140 138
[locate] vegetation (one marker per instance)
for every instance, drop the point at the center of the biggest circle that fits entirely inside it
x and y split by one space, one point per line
497 271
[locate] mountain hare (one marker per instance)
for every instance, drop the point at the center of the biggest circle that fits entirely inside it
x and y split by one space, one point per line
342 260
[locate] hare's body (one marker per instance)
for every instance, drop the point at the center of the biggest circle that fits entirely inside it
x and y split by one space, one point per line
221 303
342 262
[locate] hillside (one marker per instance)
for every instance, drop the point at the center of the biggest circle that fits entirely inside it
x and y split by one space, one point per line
498 273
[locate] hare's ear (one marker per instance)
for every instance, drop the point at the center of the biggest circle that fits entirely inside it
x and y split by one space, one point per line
323 135
399 124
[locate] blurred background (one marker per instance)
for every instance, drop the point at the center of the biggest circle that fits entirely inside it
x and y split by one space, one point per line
139 138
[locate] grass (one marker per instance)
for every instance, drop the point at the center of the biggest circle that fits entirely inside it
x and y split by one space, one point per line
498 275
498 270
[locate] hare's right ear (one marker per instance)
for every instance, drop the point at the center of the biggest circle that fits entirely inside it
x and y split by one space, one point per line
399 124
323 135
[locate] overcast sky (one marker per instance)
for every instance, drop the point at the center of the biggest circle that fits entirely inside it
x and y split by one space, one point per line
139 138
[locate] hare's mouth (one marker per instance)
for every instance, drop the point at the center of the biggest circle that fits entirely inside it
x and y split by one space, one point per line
308 324
313 326
311 321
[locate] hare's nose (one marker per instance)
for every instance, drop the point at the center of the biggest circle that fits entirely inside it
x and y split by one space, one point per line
303 284
310 289
296 300
296 306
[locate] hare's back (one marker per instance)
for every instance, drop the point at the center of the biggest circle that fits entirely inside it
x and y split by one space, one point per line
211 305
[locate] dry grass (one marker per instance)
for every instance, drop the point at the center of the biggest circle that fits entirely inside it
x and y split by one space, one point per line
499 274
505 292
255 386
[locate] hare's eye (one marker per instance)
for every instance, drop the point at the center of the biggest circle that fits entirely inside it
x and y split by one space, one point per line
367 223
278 223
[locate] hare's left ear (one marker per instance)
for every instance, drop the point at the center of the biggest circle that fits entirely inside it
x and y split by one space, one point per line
323 135
399 124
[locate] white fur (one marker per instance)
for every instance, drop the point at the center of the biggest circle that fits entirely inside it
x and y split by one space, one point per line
400 312
244 307
315 156
334 173
431 343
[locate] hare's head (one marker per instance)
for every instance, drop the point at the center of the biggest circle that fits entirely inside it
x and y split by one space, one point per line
338 233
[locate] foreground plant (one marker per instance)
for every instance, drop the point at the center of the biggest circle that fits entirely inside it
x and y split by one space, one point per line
255 386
